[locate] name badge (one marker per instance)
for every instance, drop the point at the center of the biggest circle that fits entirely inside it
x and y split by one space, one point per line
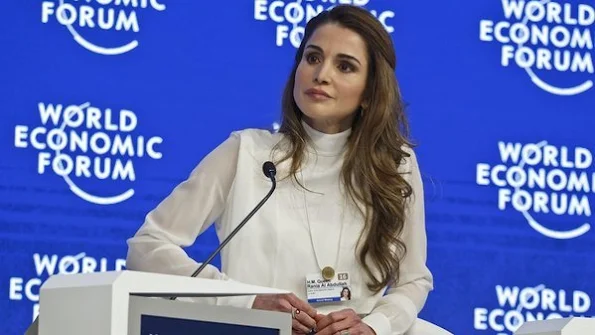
335 289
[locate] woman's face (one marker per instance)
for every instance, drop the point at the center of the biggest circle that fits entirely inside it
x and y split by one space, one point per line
345 293
331 78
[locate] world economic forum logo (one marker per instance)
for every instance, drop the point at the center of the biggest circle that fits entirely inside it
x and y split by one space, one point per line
82 18
83 144
546 38
517 305
26 287
549 185
291 17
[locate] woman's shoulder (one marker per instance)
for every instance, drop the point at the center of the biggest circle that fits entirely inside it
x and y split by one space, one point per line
409 159
257 138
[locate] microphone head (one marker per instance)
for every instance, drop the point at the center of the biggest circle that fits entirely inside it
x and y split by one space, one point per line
269 169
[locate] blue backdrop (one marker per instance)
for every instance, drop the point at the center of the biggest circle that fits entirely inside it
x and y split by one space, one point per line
500 100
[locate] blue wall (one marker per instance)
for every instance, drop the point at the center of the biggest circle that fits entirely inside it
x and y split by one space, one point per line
500 101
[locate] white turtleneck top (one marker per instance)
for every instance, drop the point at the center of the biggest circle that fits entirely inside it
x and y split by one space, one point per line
295 233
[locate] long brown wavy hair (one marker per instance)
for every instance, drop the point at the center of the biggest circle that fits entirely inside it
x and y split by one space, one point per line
375 148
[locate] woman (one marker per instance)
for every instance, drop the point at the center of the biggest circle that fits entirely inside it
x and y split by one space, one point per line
349 196
345 294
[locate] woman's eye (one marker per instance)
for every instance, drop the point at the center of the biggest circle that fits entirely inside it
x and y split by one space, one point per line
346 67
312 58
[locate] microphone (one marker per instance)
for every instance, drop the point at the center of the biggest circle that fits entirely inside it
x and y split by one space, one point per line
270 171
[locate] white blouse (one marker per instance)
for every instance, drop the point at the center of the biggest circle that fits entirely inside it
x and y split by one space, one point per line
295 233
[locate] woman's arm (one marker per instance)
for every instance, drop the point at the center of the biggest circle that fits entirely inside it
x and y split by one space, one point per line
396 312
183 215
